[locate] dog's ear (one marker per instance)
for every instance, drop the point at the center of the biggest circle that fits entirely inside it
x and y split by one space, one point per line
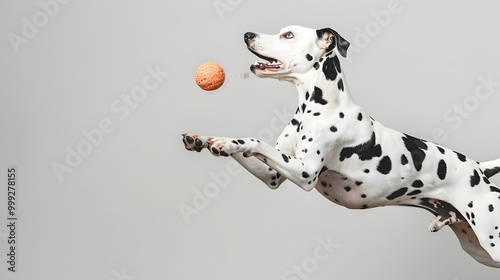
329 39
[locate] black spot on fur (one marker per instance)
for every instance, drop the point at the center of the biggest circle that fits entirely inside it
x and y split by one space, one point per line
475 179
397 194
471 204
441 150
316 114
347 188
461 157
341 115
485 179
307 95
316 65
317 96
492 171
404 160
340 85
285 158
309 57
417 184
333 128
366 170
360 117
494 189
385 165
329 69
336 62
442 169
416 148
295 122
415 192
365 151
491 208
305 174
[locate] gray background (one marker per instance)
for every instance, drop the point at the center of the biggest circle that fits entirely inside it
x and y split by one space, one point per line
116 215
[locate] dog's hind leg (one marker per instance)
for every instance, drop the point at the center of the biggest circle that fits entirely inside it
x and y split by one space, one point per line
479 204
470 244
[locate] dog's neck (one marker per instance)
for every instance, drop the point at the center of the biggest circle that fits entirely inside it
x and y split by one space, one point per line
328 77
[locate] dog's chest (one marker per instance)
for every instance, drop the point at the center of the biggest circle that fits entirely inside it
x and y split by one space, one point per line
337 125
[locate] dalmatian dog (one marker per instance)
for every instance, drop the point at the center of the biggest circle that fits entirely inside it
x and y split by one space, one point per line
331 144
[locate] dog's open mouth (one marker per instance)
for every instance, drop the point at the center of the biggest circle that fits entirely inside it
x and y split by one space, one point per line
273 64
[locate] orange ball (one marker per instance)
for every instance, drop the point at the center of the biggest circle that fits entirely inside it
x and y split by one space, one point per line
209 76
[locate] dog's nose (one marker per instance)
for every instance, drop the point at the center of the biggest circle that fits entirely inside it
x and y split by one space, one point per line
250 36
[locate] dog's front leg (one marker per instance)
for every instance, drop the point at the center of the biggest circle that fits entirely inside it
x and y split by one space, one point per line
266 174
272 178
256 167
291 167
263 171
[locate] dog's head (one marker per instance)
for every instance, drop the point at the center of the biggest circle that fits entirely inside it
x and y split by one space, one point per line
293 51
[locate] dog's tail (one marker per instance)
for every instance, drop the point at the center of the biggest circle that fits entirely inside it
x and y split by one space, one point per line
491 167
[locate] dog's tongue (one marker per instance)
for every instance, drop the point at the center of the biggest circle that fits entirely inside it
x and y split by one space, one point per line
263 66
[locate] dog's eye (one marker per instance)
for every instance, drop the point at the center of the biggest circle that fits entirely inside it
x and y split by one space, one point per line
288 35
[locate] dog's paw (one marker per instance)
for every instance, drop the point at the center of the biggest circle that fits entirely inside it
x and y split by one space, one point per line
220 146
193 142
